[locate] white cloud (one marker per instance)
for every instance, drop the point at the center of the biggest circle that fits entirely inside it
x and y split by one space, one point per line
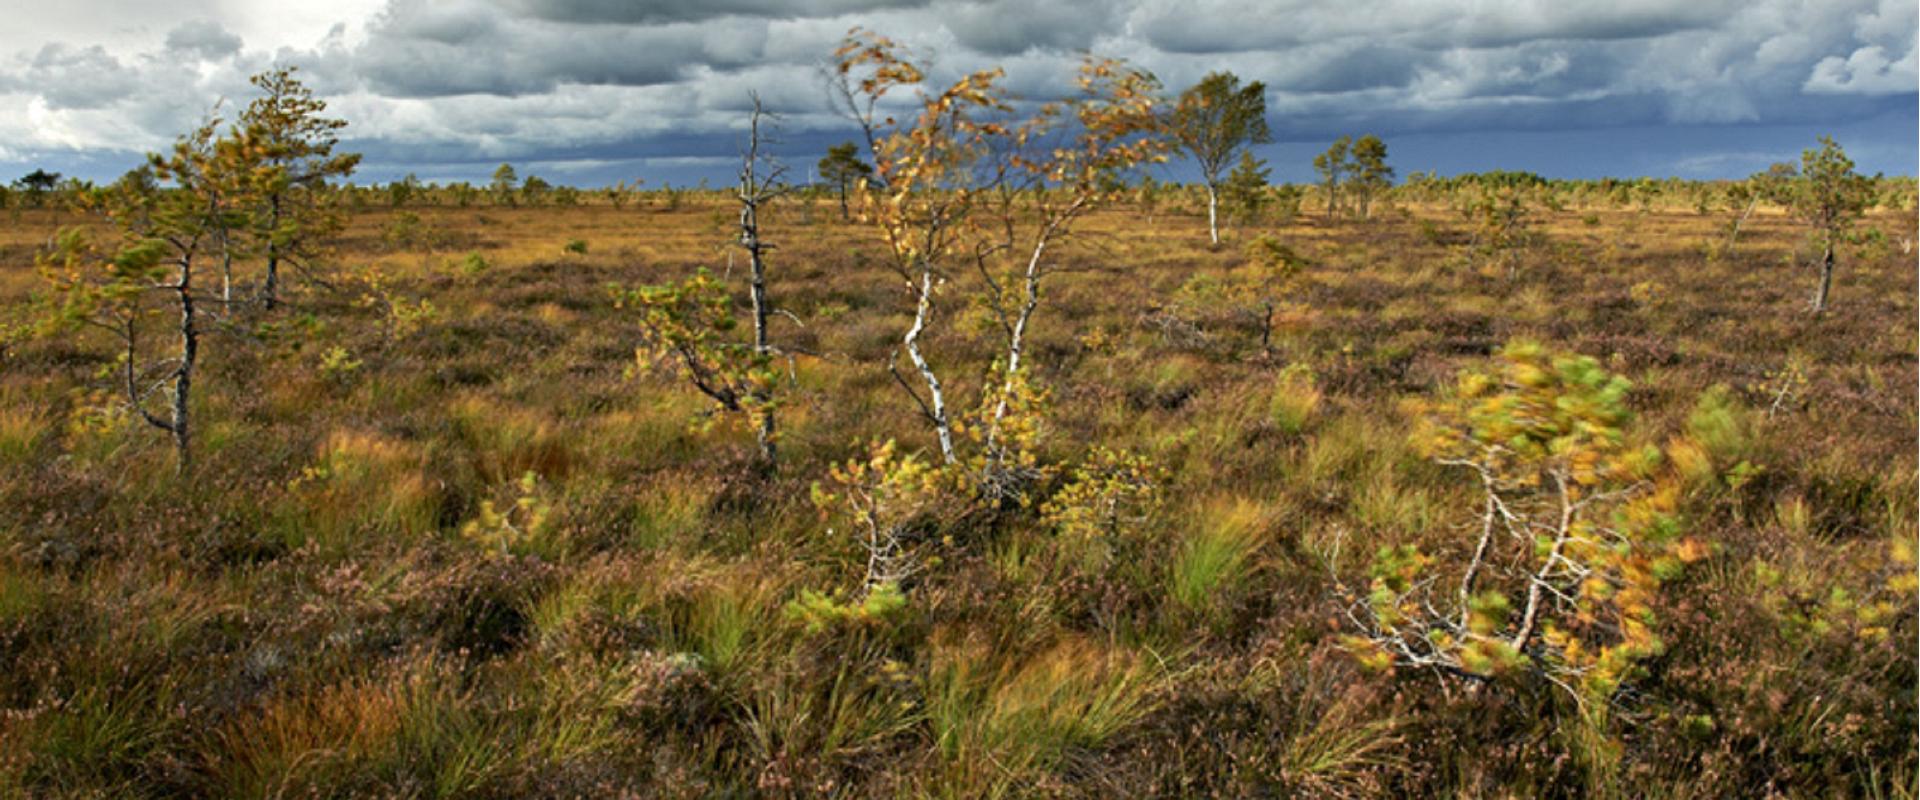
1866 71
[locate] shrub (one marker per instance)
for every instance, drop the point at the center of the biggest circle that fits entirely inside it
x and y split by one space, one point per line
523 527
1109 493
1578 529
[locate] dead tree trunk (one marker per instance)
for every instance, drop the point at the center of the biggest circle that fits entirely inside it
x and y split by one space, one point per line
757 189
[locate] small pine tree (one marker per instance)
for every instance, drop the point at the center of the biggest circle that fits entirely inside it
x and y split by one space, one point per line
1829 197
1246 193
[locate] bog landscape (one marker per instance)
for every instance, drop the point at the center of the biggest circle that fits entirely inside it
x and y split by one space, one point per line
974 457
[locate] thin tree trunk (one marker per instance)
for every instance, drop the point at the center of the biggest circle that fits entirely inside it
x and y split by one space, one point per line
751 195
1734 236
1530 619
1213 213
1266 330
757 278
923 309
272 289
1016 340
183 376
1826 280
226 271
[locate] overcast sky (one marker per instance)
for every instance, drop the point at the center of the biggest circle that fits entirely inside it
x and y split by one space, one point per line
593 91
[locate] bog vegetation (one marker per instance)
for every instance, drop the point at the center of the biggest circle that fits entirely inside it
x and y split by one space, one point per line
989 466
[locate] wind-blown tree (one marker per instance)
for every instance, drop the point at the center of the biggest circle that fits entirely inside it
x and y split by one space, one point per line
1213 120
925 192
842 169
1332 166
1045 187
1829 197
1371 175
295 147
1578 528
129 291
505 186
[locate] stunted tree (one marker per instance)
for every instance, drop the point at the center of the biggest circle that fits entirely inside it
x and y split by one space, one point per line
1213 121
535 190
926 181
1245 192
1371 175
295 147
129 289
1578 526
1332 166
689 326
505 186
1828 197
1499 216
402 192
36 185
1045 186
842 169
1746 195
761 182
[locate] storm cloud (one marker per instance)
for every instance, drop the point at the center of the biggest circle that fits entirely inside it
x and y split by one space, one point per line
451 86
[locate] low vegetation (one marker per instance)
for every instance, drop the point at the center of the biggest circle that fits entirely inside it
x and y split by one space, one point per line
1479 486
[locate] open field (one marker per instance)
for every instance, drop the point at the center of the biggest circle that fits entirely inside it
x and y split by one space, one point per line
309 612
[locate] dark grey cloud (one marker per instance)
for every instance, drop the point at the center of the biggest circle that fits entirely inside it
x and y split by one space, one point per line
428 49
77 77
579 82
204 38
1007 27
654 12
1225 26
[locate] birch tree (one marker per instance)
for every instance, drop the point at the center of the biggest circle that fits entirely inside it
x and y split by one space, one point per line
926 187
1045 188
1212 122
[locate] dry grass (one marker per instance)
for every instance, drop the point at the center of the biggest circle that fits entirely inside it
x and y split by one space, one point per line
302 616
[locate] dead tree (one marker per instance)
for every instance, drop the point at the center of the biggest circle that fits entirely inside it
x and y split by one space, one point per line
758 187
